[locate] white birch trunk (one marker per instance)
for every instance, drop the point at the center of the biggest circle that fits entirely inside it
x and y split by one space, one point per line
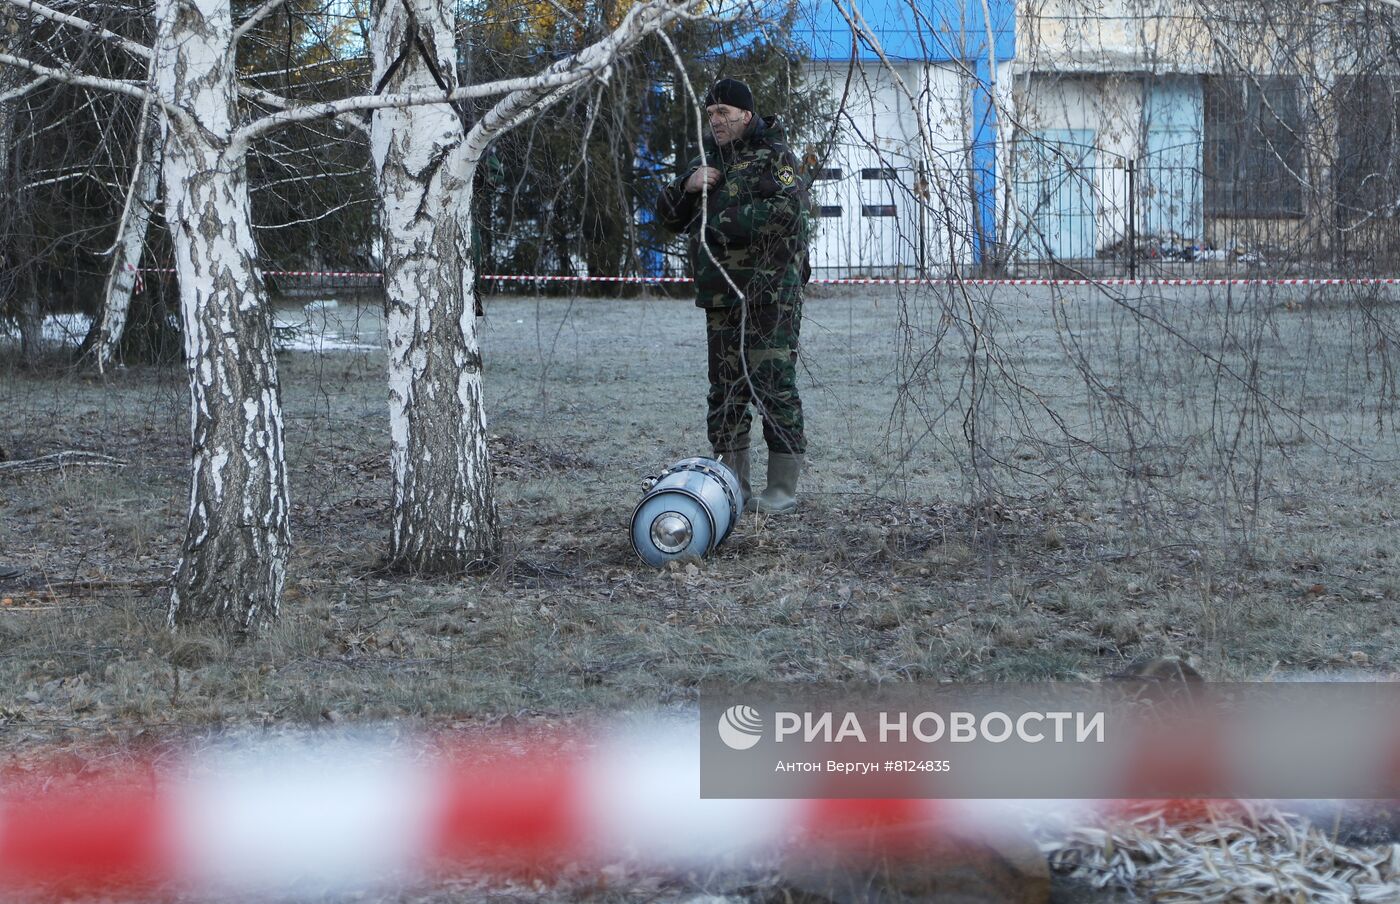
31 324
25 289
131 238
444 508
234 557
8 80
30 318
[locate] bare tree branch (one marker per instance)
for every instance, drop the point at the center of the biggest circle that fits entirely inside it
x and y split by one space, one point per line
58 460
571 71
278 102
294 69
16 93
73 77
125 217
91 27
525 92
118 86
413 99
253 19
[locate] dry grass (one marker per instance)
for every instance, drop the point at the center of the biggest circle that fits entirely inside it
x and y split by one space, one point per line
901 566
1233 855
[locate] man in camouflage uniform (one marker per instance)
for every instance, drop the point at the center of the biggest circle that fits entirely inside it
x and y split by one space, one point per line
747 212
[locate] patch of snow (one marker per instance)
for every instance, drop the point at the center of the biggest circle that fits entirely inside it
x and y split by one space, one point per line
322 342
59 329
298 334
66 329
302 334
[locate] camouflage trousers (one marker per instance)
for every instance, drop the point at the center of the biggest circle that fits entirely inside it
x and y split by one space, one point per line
753 360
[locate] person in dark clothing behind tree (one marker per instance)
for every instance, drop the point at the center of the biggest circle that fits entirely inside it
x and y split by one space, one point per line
748 215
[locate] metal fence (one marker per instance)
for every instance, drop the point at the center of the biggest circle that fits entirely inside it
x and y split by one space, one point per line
1067 211
1057 209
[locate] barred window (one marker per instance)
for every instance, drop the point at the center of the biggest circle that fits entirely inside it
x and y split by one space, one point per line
831 210
880 173
877 210
1368 142
827 174
1253 155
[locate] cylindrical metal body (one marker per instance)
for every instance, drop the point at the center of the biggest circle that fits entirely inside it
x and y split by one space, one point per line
688 511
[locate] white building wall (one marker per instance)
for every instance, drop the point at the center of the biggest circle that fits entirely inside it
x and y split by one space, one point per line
1004 98
893 188
1114 36
1068 158
1084 74
944 186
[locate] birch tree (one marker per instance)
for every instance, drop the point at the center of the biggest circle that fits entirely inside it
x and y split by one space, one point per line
16 280
11 86
233 560
444 510
104 340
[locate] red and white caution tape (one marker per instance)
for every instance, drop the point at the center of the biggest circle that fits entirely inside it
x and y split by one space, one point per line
301 816
497 277
139 283
878 281
353 273
1114 281
304 817
343 273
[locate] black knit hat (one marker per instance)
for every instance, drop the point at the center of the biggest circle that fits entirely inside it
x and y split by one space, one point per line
732 92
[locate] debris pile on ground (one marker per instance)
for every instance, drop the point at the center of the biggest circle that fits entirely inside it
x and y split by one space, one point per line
1233 853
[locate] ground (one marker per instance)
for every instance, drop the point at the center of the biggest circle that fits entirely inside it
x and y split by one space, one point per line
1012 484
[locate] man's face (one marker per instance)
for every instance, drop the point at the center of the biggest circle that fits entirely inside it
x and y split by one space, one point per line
726 122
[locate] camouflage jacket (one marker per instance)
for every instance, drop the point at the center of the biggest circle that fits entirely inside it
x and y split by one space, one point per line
757 221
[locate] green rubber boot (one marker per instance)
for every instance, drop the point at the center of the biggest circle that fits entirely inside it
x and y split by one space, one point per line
737 460
780 497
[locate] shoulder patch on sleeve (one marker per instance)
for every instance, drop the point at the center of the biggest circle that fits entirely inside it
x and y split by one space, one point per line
786 176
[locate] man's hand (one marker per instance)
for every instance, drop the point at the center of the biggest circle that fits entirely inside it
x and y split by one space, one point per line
704 176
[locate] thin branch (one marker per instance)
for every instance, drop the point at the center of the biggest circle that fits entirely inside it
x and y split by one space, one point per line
511 115
412 99
317 65
547 87
300 178
85 173
16 93
54 15
55 461
253 19
698 107
592 61
73 77
278 102
136 176
116 86
316 217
